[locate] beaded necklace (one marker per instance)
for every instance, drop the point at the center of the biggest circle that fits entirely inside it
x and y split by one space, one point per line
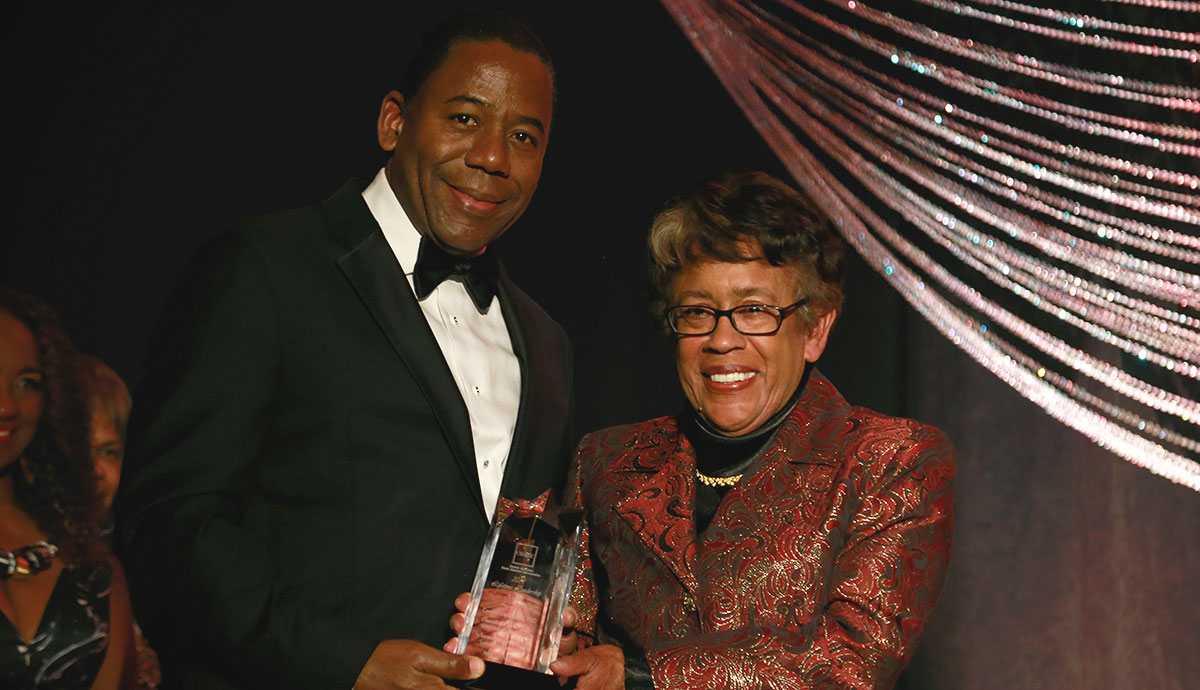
27 560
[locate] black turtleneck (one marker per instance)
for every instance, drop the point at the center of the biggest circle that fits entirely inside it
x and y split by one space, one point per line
718 455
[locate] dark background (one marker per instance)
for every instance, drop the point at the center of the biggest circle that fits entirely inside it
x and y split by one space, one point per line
133 135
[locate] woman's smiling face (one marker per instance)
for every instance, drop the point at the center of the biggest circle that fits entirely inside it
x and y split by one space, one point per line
737 382
21 396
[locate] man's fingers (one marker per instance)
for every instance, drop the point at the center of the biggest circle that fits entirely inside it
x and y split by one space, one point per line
458 620
570 617
568 644
410 664
461 601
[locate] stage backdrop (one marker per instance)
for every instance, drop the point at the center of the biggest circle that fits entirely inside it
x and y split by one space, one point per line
136 134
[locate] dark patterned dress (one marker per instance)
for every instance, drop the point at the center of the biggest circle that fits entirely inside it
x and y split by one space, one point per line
71 639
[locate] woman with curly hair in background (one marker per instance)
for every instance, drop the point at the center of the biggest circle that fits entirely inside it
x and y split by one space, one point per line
67 619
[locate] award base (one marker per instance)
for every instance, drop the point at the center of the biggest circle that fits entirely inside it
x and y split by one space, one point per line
498 676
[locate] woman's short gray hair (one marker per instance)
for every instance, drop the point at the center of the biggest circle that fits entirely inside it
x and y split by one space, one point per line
718 218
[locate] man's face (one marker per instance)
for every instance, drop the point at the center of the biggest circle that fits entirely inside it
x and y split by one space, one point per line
468 149
107 453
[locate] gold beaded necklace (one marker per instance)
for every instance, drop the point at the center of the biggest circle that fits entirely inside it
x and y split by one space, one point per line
717 481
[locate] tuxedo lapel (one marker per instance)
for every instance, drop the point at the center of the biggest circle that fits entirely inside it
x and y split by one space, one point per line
536 436
658 495
371 268
517 322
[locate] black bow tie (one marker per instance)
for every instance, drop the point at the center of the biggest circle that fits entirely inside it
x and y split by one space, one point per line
479 273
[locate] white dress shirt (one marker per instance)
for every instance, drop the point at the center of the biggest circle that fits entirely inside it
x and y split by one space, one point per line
474 343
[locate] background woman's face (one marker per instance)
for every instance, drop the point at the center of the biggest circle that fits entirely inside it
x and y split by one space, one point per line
736 382
21 396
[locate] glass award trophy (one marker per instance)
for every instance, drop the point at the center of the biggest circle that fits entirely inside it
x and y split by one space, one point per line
525 573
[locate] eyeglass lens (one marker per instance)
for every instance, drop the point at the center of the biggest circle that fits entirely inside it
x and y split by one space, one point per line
750 319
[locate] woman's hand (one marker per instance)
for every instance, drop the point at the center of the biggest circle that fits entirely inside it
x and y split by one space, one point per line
600 667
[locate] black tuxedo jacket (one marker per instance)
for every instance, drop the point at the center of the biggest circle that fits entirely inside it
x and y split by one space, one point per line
301 481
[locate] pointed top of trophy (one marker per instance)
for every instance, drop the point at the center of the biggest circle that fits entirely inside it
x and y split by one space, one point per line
543 507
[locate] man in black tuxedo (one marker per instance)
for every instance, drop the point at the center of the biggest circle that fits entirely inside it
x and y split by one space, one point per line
337 394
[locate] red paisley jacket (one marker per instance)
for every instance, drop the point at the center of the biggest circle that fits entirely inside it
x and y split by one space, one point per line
817 571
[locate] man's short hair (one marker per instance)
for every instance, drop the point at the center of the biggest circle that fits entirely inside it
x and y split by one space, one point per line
471 25
105 391
715 220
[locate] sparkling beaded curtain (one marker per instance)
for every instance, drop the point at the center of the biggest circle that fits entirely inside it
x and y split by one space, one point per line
1025 176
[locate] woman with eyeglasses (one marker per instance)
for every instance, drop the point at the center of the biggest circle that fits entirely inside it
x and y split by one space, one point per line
67 621
772 534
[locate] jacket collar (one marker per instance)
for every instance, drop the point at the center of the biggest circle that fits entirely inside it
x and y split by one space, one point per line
659 495
656 475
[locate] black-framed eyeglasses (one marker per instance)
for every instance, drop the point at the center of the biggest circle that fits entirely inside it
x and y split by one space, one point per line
747 319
